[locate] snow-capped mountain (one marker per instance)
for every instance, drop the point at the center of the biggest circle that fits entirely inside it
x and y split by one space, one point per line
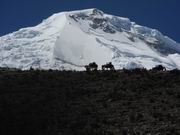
70 40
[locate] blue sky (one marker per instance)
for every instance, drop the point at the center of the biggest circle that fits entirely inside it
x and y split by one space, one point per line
163 15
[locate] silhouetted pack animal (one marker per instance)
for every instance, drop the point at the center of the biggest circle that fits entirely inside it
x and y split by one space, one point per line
108 66
91 67
159 68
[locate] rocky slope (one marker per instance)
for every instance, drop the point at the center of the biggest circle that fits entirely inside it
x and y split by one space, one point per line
99 103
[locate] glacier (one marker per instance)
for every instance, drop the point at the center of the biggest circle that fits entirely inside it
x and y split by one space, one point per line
69 40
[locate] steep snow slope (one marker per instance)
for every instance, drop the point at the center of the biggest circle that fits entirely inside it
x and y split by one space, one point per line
69 40
32 46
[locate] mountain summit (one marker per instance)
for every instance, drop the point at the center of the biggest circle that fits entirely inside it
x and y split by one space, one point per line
70 40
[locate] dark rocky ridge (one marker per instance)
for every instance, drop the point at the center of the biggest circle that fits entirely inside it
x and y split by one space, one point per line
99 103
